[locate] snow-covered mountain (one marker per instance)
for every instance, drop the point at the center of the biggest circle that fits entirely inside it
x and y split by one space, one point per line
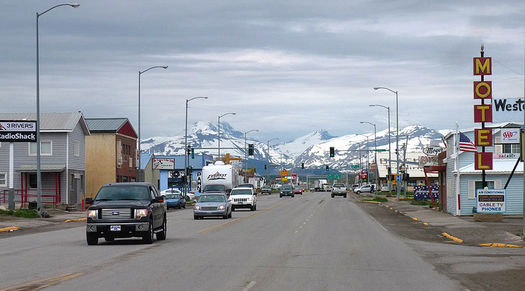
311 149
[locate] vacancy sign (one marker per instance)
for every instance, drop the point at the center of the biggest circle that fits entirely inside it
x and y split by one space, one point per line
491 200
17 131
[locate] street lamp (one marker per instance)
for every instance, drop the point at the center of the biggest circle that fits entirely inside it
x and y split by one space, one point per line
268 153
268 144
38 171
375 147
139 141
397 134
246 155
219 132
360 153
389 172
186 176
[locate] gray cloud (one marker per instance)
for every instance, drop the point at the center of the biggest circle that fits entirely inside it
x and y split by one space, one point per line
286 67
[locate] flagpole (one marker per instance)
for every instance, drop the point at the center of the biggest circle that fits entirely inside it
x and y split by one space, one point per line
456 167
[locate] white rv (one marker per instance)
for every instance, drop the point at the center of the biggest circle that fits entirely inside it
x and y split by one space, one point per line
220 177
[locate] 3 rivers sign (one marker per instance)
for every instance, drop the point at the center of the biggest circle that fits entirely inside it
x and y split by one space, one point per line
17 131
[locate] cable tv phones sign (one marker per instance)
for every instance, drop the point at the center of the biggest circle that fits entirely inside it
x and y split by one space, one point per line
17 131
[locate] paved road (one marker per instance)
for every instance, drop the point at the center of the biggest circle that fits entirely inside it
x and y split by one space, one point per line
311 242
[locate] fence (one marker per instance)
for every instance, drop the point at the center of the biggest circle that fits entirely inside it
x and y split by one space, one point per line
23 197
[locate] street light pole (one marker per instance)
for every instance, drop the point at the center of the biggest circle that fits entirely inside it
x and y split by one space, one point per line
246 155
397 135
389 170
186 176
38 170
268 153
219 133
375 148
139 141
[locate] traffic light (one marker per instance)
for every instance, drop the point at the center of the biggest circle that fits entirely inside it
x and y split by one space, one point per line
406 176
250 149
332 152
265 166
192 153
327 168
188 151
302 165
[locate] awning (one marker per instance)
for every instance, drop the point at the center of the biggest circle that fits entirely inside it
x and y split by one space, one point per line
43 168
498 167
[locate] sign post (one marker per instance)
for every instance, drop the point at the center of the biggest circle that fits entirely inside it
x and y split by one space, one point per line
11 132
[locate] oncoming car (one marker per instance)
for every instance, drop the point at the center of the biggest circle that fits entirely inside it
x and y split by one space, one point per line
122 210
243 198
215 205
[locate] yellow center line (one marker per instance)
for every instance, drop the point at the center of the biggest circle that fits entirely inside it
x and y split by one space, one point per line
211 228
42 283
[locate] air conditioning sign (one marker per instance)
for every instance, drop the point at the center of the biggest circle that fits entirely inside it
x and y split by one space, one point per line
17 131
491 200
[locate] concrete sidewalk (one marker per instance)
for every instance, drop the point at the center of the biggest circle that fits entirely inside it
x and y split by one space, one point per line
464 228
59 219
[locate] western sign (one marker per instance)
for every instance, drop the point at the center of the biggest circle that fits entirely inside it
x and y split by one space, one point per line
507 109
17 131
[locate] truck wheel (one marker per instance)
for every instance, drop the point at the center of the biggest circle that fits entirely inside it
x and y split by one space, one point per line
195 217
225 216
293 196
162 235
332 195
148 237
91 238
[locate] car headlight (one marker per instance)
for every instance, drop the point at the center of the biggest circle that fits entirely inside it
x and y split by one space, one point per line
222 207
197 207
140 213
93 214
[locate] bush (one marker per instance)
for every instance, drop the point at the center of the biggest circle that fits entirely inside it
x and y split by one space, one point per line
380 199
26 213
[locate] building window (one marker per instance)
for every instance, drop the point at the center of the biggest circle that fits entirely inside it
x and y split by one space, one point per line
32 181
3 179
76 148
46 148
474 185
125 179
511 148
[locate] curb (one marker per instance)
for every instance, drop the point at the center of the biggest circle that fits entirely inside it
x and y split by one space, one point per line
455 239
76 219
373 202
9 228
500 245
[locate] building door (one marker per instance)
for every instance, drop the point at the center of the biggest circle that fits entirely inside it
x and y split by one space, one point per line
73 187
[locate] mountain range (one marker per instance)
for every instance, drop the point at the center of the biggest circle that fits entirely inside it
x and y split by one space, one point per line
311 149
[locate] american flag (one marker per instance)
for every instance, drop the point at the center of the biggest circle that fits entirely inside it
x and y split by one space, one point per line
465 144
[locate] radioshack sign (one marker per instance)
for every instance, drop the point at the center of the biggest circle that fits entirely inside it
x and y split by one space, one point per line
17 131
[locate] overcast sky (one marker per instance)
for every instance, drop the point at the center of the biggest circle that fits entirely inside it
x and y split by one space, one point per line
285 67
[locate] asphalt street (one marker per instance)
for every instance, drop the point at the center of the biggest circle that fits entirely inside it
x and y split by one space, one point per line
309 242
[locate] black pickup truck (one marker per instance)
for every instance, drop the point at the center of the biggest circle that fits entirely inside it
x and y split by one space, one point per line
123 210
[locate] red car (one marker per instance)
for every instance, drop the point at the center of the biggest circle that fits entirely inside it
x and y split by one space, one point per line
298 190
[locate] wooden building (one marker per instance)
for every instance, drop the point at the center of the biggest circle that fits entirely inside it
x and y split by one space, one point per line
110 153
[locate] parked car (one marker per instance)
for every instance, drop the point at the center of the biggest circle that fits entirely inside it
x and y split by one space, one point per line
354 186
122 210
170 191
286 190
366 188
243 198
298 190
175 200
212 205
339 190
266 189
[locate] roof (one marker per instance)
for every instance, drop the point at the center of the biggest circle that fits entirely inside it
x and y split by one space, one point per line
52 122
492 125
498 167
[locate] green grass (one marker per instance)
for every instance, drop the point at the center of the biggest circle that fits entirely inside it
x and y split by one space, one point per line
378 199
425 202
26 213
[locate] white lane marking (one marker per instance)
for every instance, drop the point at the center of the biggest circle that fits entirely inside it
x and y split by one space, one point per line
249 286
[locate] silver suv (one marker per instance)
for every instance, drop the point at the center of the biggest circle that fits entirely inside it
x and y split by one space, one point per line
339 189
